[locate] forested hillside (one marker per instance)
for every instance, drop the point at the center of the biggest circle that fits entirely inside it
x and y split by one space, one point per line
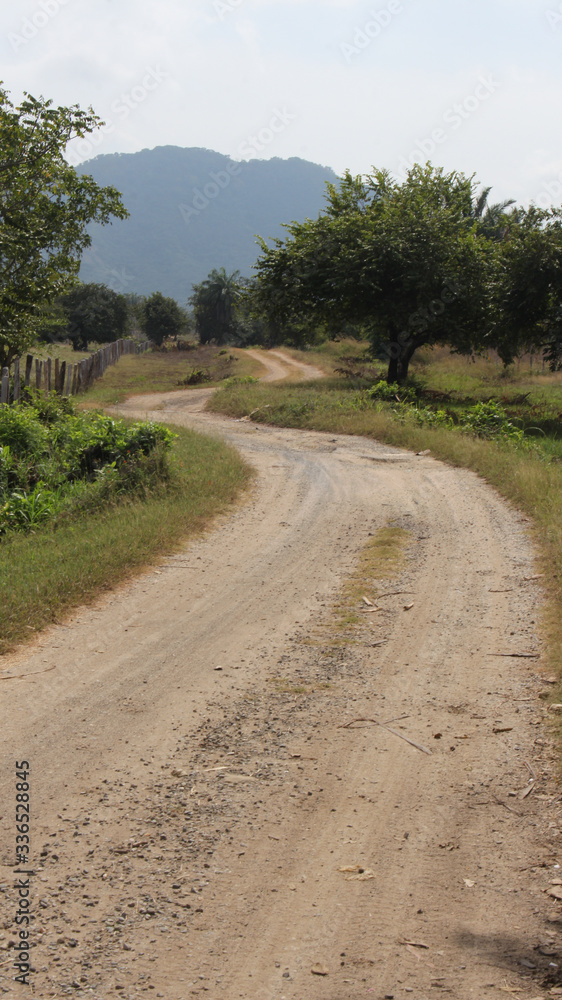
192 210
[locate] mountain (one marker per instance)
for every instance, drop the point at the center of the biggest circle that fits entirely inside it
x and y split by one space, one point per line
192 210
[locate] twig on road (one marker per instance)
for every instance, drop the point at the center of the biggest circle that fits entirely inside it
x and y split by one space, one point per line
16 677
523 656
376 722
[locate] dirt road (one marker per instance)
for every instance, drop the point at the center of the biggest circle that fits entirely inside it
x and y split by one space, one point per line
202 825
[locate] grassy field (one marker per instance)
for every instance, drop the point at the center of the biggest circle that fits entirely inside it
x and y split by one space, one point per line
164 371
64 352
531 478
44 574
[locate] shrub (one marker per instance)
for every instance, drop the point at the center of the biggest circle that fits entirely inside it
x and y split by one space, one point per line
487 420
391 392
51 456
22 432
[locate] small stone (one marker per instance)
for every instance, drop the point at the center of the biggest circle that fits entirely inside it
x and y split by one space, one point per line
319 970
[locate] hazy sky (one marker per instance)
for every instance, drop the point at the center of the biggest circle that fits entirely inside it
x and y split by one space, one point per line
472 85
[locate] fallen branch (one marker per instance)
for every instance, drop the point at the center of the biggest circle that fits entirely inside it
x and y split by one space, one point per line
505 805
523 656
531 770
375 722
393 593
16 677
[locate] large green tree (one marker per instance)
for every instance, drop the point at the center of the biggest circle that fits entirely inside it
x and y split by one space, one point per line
407 261
528 287
214 306
94 312
45 208
163 318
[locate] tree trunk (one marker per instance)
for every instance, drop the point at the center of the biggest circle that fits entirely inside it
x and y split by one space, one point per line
392 373
399 360
403 365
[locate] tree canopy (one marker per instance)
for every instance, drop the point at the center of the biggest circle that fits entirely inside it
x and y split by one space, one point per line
94 312
528 288
45 208
214 301
422 262
163 318
405 260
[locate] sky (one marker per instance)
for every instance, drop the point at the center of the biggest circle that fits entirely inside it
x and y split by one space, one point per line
471 85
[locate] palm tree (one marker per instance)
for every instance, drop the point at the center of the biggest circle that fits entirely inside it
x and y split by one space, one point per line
492 220
214 300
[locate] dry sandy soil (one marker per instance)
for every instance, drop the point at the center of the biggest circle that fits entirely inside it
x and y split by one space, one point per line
202 823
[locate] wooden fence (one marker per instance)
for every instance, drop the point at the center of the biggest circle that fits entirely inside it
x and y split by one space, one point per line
66 379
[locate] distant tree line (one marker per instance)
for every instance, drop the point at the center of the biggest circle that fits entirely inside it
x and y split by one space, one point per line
91 313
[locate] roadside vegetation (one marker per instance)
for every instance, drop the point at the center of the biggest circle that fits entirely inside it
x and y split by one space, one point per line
85 499
503 424
98 540
57 464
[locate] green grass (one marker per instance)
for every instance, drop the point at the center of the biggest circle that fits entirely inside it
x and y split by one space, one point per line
162 371
527 478
45 574
62 351
531 396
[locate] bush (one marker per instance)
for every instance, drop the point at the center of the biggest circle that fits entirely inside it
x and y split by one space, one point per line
391 392
22 432
487 420
51 458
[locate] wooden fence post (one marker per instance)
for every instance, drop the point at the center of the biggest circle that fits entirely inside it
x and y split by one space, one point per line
28 368
37 373
49 367
5 386
17 381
